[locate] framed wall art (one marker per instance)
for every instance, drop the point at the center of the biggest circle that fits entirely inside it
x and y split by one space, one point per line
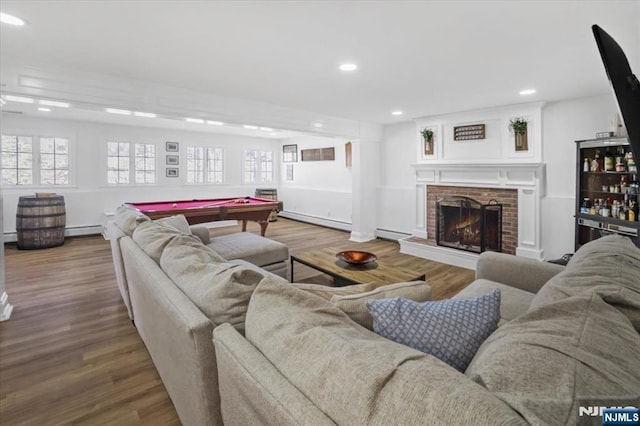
173 160
172 146
289 153
173 172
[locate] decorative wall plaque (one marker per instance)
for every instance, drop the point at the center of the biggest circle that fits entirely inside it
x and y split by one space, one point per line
319 154
467 133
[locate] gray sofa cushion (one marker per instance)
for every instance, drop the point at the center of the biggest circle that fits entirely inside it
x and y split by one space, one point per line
250 247
178 222
355 305
514 301
221 290
355 376
549 361
609 267
128 219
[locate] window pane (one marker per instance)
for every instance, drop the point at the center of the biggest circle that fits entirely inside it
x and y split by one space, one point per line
112 148
123 177
150 150
9 176
25 177
150 164
62 146
62 177
139 150
123 149
139 164
191 164
62 161
24 144
46 145
150 177
112 176
9 160
139 176
9 143
112 163
123 163
47 177
25 161
47 162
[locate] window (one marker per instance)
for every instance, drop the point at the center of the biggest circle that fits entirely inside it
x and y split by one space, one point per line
17 160
35 160
124 168
205 165
54 161
258 166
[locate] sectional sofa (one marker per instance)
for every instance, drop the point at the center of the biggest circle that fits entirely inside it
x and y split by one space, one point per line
235 344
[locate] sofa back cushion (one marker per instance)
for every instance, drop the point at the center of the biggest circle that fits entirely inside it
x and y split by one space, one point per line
128 219
608 267
178 222
548 362
355 376
219 289
355 305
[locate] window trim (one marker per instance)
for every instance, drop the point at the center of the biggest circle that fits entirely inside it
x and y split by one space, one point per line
205 169
132 163
259 171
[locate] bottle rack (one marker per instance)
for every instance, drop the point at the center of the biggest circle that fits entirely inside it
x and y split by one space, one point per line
605 190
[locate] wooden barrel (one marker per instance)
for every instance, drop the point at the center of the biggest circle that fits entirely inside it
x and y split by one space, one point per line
40 222
271 194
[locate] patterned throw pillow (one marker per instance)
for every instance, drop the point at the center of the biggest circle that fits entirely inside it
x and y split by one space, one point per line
450 330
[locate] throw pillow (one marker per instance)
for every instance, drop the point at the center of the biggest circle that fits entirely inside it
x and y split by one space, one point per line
128 219
450 330
355 305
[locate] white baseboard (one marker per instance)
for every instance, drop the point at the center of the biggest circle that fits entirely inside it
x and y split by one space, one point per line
12 237
530 253
446 255
362 237
5 307
328 223
391 235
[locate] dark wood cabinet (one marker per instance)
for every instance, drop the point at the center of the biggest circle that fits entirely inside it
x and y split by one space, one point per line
607 196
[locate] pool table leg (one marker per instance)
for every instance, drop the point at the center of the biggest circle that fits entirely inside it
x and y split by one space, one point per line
263 226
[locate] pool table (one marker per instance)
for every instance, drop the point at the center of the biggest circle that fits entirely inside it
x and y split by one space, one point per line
214 209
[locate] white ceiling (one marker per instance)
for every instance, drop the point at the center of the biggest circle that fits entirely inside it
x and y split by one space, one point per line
424 58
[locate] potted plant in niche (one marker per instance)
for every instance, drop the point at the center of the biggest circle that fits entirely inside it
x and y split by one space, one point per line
427 135
519 126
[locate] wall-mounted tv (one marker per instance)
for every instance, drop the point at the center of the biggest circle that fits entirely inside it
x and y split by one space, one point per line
625 84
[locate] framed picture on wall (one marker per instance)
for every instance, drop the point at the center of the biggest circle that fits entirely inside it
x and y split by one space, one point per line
172 146
173 160
289 153
173 172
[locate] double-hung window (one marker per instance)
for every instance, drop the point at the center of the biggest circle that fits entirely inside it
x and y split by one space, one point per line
131 163
205 164
258 166
34 160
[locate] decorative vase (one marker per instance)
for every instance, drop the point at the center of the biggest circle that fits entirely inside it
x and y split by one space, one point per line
428 146
521 141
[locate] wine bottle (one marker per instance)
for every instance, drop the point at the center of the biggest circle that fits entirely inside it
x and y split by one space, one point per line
609 162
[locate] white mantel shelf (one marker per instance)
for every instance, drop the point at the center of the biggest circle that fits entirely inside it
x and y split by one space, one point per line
527 178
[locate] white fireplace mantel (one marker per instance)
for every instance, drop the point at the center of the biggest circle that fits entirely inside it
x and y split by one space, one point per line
527 178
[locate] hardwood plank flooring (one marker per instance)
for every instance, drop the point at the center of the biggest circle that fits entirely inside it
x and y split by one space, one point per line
69 353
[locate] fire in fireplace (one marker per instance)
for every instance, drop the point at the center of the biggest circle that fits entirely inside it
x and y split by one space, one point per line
466 224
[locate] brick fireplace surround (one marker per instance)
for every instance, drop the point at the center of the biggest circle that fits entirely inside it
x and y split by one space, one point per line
507 197
519 186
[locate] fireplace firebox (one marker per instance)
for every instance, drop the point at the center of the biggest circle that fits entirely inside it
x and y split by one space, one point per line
466 224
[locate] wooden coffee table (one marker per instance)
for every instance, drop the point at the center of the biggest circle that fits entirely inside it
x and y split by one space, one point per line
382 271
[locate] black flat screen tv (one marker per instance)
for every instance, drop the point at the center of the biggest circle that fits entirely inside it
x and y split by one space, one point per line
625 85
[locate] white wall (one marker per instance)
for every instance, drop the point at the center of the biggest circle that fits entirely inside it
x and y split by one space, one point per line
90 197
562 124
320 189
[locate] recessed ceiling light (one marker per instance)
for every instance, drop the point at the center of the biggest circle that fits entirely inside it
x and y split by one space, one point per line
273 134
5 18
318 125
117 111
528 92
266 129
2 102
19 99
215 123
250 127
348 67
396 113
144 114
54 103
44 109
195 120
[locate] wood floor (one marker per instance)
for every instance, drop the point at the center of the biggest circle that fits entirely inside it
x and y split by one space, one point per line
69 353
